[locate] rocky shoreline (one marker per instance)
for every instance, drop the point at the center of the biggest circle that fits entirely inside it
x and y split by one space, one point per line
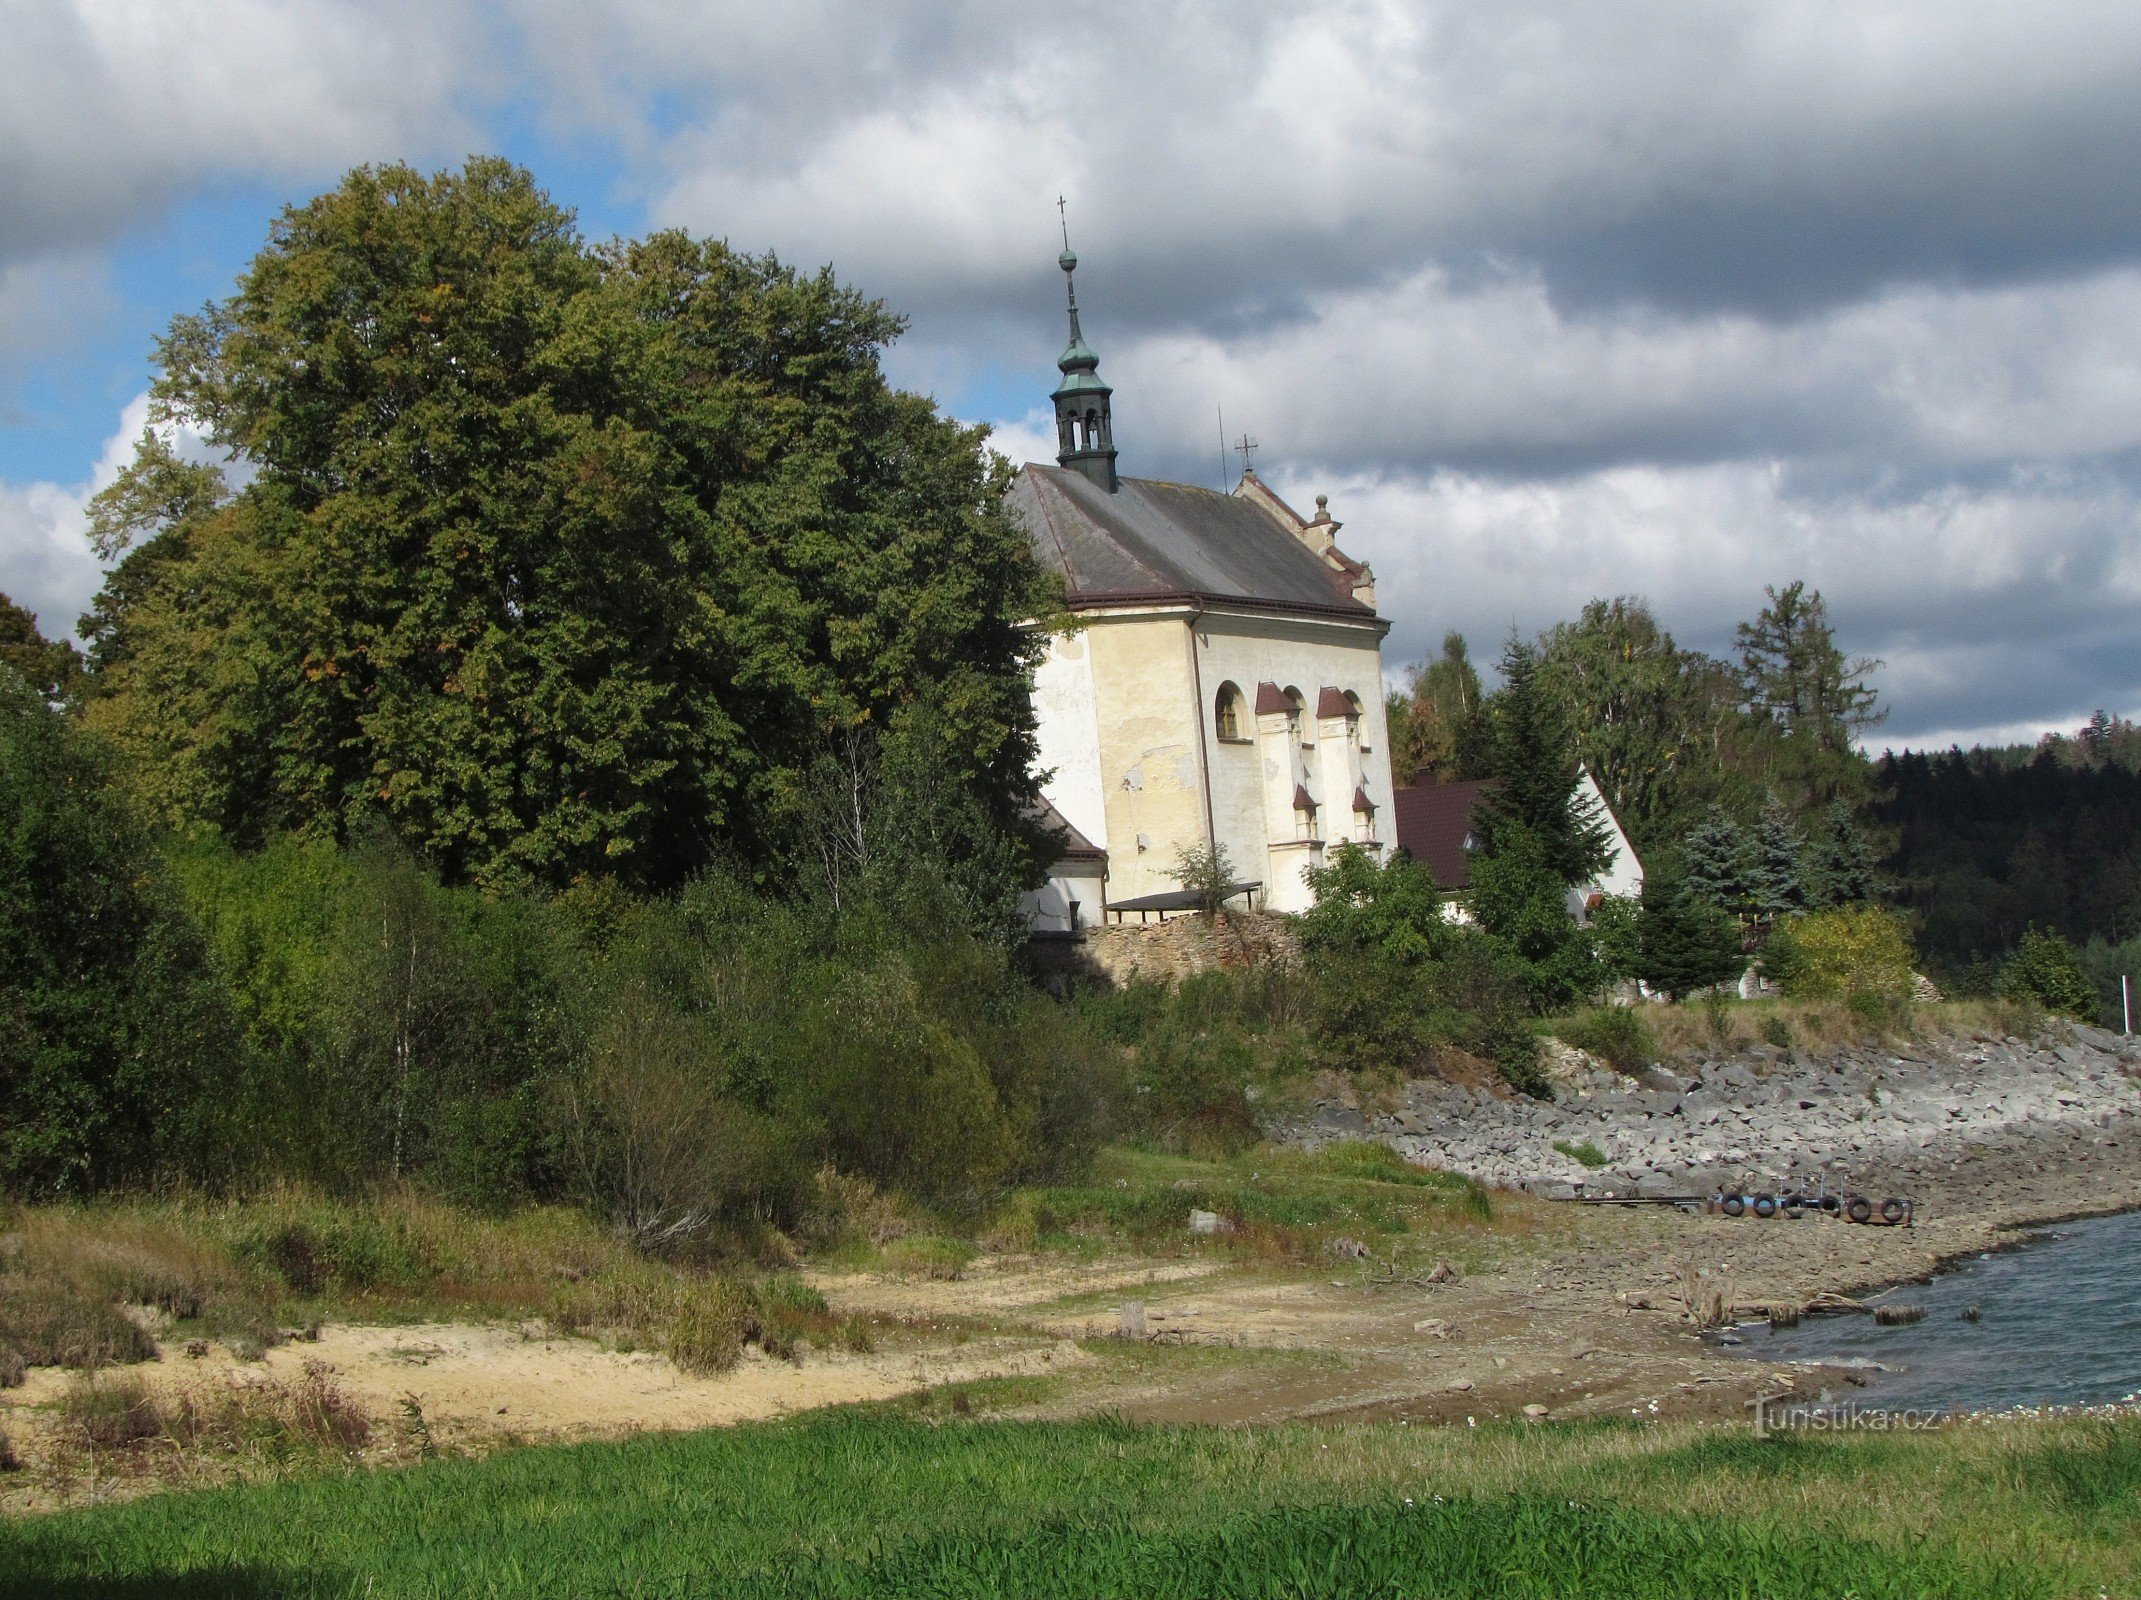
1914 1118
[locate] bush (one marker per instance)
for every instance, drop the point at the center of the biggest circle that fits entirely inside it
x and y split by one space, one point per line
710 1327
110 1411
923 1255
2045 968
1617 1035
112 1029
1826 955
53 1323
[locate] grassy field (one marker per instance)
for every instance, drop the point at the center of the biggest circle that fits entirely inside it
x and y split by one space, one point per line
885 1502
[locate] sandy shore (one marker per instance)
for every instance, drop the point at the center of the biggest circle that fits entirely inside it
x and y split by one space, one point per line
1578 1311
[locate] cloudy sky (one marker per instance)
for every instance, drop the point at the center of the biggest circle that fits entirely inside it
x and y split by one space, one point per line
1553 300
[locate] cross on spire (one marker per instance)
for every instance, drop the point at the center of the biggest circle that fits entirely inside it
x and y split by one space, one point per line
1247 448
1063 220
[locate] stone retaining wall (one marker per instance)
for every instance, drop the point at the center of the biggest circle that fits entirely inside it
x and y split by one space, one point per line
1183 946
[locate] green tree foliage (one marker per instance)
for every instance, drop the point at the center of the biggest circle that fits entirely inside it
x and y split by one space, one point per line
1537 790
52 669
1207 872
1522 903
2046 968
1775 865
561 560
1716 860
1370 943
672 1062
1989 843
1659 728
1392 978
1838 867
1684 942
112 1035
1437 724
1842 953
1798 682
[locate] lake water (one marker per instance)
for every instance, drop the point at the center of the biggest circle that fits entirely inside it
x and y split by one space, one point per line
2058 1324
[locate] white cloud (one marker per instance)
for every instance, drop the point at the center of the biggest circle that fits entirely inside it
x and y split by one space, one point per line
109 108
1557 299
46 565
2014 604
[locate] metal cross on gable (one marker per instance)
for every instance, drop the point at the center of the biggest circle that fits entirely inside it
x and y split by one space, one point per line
1245 450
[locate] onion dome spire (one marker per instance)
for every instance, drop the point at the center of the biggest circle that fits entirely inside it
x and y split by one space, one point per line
1085 436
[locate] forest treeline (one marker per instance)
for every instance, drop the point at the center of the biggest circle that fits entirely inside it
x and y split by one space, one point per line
569 739
1748 776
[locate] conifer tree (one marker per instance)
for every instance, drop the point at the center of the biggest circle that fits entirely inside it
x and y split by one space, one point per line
1684 943
1839 865
1776 875
1538 782
1715 856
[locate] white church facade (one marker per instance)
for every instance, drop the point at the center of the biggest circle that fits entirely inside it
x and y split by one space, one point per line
1221 686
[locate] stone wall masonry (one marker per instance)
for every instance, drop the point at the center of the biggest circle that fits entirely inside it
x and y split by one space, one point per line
1183 946
1868 1115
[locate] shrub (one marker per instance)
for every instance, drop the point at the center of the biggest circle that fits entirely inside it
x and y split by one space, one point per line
9 1460
110 1411
922 1255
320 1412
1617 1035
710 1327
1586 1152
1835 954
2046 969
50 1322
322 1247
13 1369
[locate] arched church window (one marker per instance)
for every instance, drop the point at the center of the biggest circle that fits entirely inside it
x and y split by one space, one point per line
1297 726
1092 430
1228 715
1356 721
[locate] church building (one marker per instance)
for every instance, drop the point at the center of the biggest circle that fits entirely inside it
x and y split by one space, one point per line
1223 684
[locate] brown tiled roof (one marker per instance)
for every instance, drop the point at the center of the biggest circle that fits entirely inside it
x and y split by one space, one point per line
1270 697
1332 702
1303 800
1433 820
1361 802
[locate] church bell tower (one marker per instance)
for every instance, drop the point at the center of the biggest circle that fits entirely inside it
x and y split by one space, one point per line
1085 438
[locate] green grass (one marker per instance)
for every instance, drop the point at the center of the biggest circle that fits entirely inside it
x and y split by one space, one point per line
1586 1152
1279 1204
872 1502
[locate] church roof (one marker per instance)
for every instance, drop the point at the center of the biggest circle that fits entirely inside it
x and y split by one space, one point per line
1152 540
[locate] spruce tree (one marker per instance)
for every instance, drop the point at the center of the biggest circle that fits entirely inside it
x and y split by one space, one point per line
1776 875
1839 865
1715 856
1538 782
1684 943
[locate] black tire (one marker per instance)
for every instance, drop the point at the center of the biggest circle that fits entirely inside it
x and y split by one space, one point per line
1765 1205
1733 1205
1831 1204
1892 1211
1860 1209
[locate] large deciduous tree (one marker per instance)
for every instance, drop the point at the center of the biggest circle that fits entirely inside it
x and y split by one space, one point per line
1660 728
561 560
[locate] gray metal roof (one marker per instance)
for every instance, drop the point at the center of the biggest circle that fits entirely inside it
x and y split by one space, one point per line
1153 540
